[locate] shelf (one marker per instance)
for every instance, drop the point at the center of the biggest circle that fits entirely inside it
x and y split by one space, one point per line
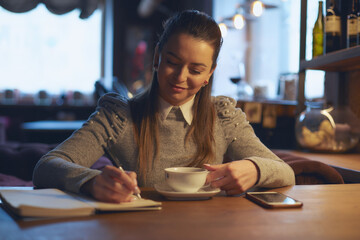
339 61
270 101
21 107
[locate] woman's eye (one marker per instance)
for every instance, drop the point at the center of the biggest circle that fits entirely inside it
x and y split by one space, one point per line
171 63
195 72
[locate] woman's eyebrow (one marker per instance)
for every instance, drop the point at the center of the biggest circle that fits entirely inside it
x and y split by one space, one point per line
175 56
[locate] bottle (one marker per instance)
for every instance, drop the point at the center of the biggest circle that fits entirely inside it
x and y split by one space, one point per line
318 33
332 28
352 28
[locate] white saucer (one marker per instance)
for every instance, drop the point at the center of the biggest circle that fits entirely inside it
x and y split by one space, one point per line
169 193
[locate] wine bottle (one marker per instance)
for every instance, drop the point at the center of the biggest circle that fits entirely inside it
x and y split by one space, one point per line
318 33
332 28
352 22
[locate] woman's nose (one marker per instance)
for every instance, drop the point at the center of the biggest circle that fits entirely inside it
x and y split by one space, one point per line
181 74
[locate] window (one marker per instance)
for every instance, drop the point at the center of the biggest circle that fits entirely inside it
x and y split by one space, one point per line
43 51
269 46
314 80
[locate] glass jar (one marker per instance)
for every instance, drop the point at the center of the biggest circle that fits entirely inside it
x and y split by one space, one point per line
327 129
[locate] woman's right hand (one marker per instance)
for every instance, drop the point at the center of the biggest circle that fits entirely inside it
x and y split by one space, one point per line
112 185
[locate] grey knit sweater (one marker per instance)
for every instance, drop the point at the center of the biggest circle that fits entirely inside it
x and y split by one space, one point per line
109 129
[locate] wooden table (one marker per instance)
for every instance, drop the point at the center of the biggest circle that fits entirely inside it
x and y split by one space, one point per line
329 212
348 164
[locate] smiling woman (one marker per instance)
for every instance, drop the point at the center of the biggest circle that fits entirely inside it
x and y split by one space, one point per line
43 51
184 66
175 122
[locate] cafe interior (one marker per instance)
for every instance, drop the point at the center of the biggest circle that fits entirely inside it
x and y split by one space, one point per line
57 58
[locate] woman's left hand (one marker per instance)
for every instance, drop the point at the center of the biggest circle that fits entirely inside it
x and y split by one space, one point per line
234 177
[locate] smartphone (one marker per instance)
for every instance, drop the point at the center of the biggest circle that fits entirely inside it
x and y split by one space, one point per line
273 200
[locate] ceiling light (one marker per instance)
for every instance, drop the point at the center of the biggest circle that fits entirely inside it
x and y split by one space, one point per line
257 8
239 21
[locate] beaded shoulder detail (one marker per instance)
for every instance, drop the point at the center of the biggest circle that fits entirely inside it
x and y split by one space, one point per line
230 117
111 116
114 102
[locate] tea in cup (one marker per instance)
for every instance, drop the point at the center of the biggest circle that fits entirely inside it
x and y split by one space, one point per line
186 179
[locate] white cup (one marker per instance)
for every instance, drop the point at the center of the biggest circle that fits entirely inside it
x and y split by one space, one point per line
185 179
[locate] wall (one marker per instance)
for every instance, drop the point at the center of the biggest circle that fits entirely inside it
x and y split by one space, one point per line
354 96
353 91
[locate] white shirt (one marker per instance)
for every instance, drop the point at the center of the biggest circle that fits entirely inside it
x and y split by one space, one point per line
186 110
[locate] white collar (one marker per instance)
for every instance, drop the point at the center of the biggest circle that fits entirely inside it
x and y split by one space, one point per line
186 109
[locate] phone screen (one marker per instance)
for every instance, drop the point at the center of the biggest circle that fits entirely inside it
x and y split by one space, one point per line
275 198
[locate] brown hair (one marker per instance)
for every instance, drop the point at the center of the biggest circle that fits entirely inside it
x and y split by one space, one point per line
144 107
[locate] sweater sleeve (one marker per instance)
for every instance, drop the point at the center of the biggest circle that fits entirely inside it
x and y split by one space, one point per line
67 166
244 144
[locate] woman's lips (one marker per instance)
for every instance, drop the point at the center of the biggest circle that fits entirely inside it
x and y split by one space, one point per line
177 88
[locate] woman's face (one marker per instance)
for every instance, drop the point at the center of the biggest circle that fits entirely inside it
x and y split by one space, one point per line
184 66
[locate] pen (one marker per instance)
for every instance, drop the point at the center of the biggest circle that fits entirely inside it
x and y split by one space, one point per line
137 193
112 159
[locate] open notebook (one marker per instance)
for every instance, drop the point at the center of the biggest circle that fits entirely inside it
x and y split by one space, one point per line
56 203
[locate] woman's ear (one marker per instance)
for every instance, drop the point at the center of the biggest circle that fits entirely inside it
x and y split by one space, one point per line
212 70
156 58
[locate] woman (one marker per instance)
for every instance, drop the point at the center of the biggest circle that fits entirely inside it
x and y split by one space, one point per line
175 122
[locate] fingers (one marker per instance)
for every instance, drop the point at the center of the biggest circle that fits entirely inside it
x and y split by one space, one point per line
133 176
235 177
233 191
106 192
114 185
216 172
211 167
235 187
114 175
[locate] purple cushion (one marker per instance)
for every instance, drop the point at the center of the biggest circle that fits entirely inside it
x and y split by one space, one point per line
19 159
17 162
8 180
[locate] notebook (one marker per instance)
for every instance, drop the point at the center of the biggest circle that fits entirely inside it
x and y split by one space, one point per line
56 203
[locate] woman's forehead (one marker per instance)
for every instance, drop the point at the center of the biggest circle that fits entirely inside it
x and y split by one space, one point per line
185 46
